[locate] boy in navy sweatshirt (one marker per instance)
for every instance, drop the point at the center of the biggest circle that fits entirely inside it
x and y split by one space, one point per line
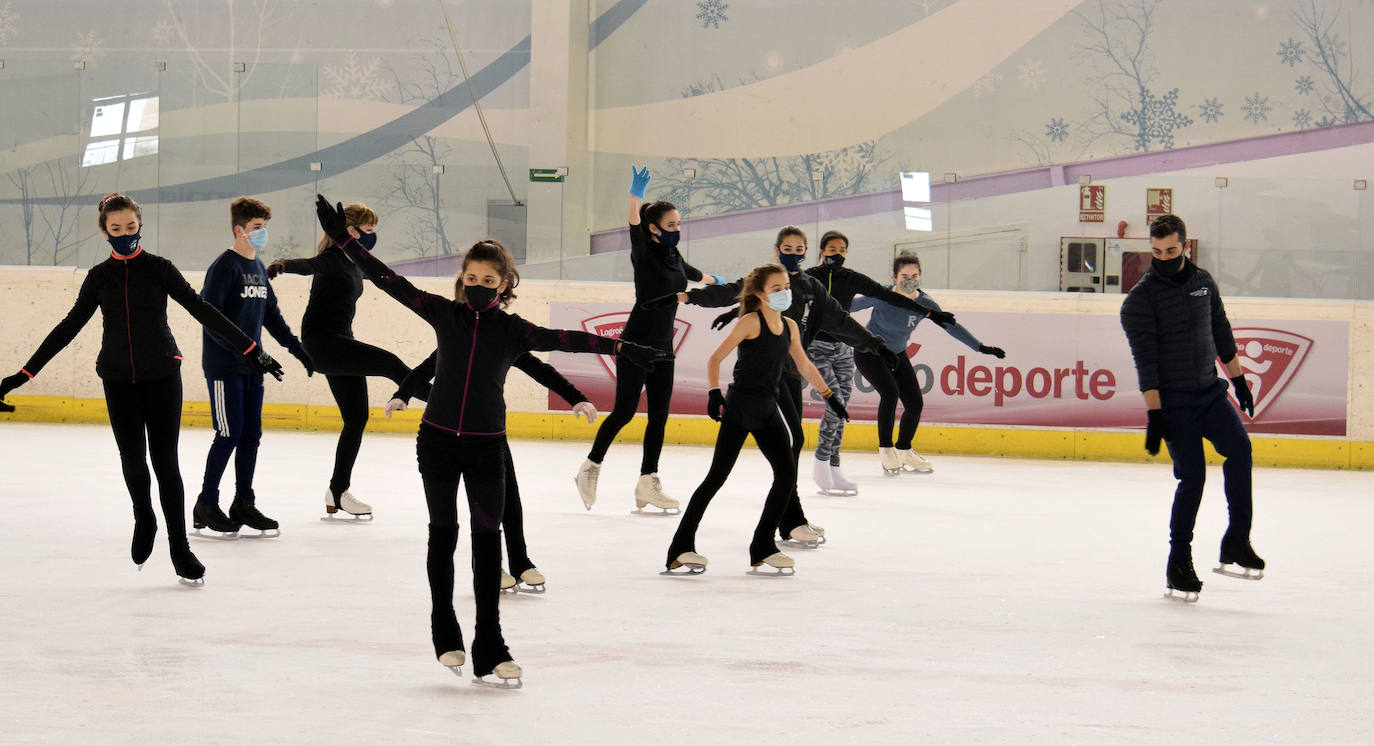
236 284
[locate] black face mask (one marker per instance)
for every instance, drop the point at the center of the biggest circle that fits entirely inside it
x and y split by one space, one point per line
480 297
1167 267
668 239
834 261
368 240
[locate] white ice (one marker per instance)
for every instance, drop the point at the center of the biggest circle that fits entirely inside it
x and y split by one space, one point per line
993 601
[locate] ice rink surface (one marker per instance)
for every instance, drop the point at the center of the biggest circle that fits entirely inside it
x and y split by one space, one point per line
993 601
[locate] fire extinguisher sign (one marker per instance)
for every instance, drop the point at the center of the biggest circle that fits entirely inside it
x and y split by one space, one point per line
1092 203
1158 201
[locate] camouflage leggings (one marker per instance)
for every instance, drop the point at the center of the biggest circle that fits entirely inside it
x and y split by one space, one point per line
835 361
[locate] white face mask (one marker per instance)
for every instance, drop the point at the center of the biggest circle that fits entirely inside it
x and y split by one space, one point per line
781 300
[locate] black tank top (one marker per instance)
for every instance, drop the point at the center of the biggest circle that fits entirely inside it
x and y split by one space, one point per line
761 359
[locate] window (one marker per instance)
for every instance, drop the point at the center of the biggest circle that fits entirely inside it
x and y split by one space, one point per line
112 118
916 188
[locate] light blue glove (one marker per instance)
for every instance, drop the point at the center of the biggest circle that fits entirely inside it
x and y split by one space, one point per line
719 280
640 181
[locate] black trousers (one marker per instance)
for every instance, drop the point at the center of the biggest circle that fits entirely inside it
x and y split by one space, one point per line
513 520
891 387
790 404
346 363
146 420
774 441
657 386
444 460
1188 419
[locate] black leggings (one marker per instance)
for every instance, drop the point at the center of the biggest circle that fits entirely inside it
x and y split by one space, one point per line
444 460
657 386
790 403
775 443
513 521
346 363
891 386
146 419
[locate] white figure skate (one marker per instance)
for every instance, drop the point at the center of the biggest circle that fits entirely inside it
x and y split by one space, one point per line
649 491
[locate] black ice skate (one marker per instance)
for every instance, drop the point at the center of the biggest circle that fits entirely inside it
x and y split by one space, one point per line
145 533
189 569
1180 578
210 522
243 511
1238 560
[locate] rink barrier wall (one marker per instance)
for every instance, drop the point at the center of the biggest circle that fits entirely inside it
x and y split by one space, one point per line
68 390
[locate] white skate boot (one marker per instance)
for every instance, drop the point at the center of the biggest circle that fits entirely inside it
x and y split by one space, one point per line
587 474
507 582
825 481
687 563
915 462
891 461
507 676
355 509
454 659
843 484
533 581
778 565
802 537
649 491
818 531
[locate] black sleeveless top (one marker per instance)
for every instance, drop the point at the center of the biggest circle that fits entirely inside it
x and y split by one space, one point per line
761 359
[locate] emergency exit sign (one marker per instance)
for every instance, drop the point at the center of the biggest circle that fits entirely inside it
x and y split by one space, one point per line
1092 203
548 174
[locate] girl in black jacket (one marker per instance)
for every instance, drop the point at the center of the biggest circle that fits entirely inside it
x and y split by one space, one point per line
327 333
140 366
462 431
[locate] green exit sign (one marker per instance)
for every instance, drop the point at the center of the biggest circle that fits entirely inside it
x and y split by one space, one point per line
548 174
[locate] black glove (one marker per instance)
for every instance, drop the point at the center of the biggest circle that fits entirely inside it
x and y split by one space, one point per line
643 356
10 383
332 220
715 404
1154 431
944 319
837 406
306 362
996 352
662 301
276 268
1243 396
6 407
264 364
723 320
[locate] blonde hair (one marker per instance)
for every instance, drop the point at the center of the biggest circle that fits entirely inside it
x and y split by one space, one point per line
358 214
755 282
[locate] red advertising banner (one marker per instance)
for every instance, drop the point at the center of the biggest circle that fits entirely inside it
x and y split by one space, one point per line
1061 370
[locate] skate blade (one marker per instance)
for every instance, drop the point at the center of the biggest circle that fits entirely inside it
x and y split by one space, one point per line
202 532
515 683
1244 573
796 544
892 472
910 470
1186 597
837 493
511 590
659 512
588 506
772 572
533 590
270 533
192 582
684 570
346 517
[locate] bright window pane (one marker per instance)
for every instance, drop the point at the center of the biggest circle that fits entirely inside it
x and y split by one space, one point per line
143 114
919 219
915 186
137 146
97 153
108 119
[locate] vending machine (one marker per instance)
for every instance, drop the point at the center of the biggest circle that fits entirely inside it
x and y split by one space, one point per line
1107 265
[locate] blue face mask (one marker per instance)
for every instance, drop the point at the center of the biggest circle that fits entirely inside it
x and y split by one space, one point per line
368 240
125 245
781 300
792 262
258 238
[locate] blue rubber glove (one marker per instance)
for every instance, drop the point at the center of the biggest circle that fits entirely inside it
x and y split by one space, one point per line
719 280
639 182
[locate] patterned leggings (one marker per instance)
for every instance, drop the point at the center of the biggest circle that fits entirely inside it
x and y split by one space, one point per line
835 361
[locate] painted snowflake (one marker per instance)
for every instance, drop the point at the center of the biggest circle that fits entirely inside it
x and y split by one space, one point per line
9 21
163 31
1156 120
987 84
356 81
88 47
1210 110
1302 119
1056 130
1256 108
1032 74
1305 85
712 12
1290 52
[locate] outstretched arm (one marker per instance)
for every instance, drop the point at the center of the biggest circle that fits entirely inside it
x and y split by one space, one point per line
804 365
65 331
222 331
548 376
335 225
